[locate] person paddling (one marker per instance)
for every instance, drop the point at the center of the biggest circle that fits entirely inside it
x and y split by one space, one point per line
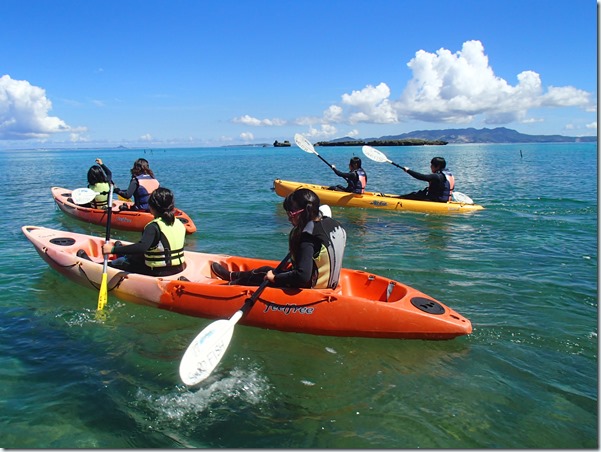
141 185
356 178
99 178
160 251
440 182
316 244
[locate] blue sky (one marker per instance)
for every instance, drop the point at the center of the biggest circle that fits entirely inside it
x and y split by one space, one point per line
207 73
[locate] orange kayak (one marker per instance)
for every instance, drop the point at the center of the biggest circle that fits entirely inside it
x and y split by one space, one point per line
125 220
363 305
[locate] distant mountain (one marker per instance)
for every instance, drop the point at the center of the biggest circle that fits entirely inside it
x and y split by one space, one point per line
471 135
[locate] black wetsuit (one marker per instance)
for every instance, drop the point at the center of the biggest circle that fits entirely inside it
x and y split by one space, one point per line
302 273
434 191
352 179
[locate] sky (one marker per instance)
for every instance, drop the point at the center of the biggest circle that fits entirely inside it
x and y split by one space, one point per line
187 73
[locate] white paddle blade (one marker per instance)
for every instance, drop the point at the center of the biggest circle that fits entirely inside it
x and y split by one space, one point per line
83 195
303 143
374 154
206 350
462 198
325 210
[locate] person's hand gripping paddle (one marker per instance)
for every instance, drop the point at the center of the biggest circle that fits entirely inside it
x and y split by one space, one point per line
206 350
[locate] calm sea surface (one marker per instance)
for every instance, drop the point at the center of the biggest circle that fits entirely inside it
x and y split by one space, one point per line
524 271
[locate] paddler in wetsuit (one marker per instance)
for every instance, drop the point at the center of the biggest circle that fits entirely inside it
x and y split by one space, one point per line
356 178
316 245
440 182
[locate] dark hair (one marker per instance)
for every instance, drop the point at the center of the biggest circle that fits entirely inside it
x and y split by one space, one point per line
141 166
163 201
306 199
439 163
96 175
355 162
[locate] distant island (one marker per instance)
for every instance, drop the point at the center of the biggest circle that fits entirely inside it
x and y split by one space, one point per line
456 136
285 144
382 142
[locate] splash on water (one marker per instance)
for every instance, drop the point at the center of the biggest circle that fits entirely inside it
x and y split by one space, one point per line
239 387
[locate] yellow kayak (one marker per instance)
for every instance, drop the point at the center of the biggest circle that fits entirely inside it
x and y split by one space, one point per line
371 200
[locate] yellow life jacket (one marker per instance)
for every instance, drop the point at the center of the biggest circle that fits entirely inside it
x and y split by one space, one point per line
101 199
169 252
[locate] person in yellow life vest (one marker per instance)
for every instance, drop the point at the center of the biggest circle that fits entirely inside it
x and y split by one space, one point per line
316 244
99 178
160 251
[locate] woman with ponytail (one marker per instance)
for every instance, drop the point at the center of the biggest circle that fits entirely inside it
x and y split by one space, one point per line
316 245
160 251
141 185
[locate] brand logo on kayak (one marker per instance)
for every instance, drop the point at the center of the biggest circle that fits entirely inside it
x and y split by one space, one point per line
288 309
123 220
379 203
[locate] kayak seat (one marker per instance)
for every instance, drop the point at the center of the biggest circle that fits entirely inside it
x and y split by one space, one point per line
372 287
83 254
234 266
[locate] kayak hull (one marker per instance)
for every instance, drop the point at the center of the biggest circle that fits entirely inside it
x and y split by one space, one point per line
373 200
125 220
363 305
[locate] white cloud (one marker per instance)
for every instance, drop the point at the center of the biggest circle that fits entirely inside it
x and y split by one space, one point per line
24 111
592 125
532 120
371 104
324 131
247 136
146 138
250 121
310 120
77 138
566 96
453 88
333 114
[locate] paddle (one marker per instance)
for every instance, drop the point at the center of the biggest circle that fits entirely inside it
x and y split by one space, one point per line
306 146
103 293
457 196
82 196
208 347
377 156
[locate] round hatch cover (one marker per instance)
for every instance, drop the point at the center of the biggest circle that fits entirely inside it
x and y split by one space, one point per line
62 241
427 305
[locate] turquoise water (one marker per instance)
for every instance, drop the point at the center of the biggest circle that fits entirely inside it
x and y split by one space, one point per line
524 271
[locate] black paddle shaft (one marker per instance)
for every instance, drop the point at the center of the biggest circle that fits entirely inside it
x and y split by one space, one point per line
323 160
110 213
251 300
